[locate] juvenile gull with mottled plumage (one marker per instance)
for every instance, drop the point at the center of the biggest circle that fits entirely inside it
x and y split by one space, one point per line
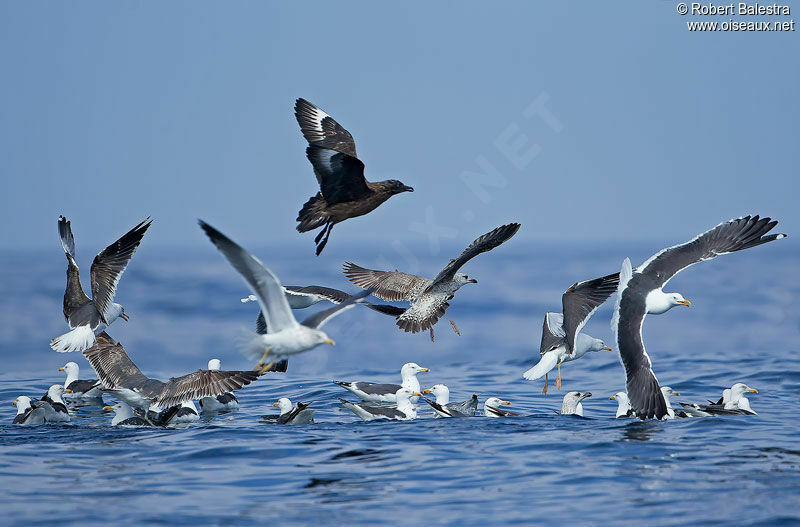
428 298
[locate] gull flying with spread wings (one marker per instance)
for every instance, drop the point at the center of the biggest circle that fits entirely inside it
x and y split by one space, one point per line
562 340
285 336
428 298
640 292
344 191
86 316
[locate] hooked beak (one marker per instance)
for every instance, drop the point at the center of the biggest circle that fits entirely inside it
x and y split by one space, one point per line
406 188
124 316
752 390
505 402
612 397
685 303
472 281
424 370
14 403
108 408
275 405
67 391
675 393
329 341
427 390
417 394
61 369
586 395
608 349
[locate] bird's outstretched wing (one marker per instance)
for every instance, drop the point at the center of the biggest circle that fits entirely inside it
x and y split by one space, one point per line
317 320
258 277
392 286
581 300
319 128
203 383
110 263
727 237
484 243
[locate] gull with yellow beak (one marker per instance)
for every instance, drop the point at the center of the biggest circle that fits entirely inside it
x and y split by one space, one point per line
641 293
386 393
491 408
284 336
562 340
297 414
403 411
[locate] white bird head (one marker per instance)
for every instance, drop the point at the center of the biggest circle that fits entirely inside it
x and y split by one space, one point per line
668 392
404 395
599 345
739 389
495 402
412 368
620 397
284 404
569 404
441 392
678 300
23 402
55 392
214 364
70 368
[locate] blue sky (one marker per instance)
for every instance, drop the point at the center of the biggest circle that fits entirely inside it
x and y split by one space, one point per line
583 121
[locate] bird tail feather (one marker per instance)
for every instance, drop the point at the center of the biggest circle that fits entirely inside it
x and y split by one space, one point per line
545 364
313 214
79 339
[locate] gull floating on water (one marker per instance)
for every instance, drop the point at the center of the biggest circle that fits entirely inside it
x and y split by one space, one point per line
80 390
29 412
623 405
571 404
386 393
404 409
86 316
298 414
344 191
640 293
55 411
562 340
428 298
733 402
491 408
285 336
442 407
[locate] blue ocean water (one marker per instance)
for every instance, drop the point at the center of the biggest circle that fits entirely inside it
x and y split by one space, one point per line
542 468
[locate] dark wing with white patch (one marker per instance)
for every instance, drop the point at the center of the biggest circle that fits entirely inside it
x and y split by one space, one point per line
340 176
109 265
319 128
731 236
392 286
203 383
484 243
581 300
328 293
112 364
642 385
552 332
317 320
